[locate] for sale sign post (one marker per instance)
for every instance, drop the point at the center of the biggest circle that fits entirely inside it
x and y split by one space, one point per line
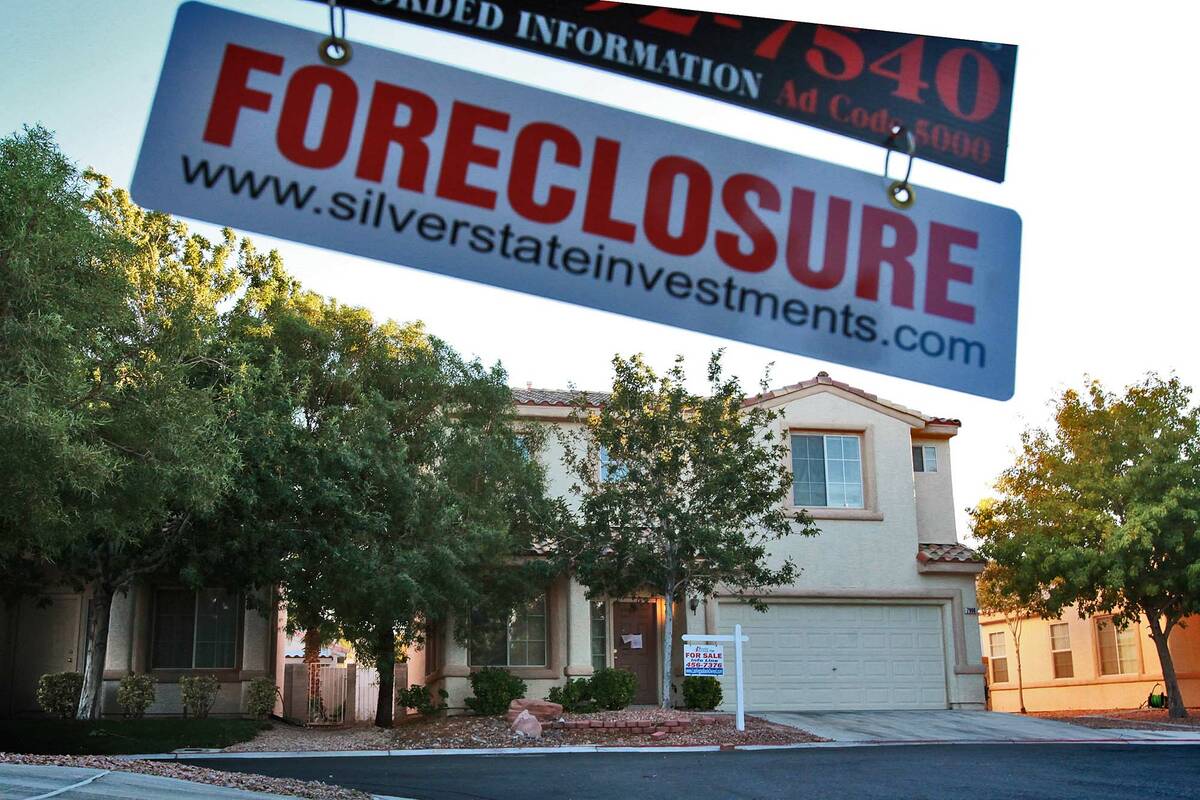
428 166
703 659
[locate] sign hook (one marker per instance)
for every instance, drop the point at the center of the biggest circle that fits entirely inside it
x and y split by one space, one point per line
334 50
900 193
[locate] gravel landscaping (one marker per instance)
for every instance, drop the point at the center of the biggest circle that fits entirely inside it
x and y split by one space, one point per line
1137 719
171 769
471 732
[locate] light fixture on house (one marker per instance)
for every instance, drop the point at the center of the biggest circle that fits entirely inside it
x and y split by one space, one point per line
693 604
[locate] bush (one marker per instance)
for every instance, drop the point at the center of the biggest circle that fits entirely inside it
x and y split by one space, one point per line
198 692
613 689
494 689
135 693
701 692
58 693
260 697
575 695
420 698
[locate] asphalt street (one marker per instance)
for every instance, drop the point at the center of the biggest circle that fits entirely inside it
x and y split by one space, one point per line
937 772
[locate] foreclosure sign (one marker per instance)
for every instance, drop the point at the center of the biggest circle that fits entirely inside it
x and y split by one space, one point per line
955 95
415 163
703 659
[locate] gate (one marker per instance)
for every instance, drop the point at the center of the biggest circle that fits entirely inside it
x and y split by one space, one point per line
366 692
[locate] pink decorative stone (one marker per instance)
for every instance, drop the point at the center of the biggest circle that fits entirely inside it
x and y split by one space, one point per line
527 725
543 710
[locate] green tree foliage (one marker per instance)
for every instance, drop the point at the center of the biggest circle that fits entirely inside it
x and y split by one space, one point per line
1101 510
128 395
385 488
694 495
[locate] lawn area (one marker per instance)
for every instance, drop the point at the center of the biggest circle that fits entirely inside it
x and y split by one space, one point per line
118 736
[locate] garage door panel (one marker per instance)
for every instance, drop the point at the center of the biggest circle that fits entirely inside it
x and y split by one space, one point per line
840 656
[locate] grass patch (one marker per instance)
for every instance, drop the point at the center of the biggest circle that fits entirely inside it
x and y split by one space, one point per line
122 736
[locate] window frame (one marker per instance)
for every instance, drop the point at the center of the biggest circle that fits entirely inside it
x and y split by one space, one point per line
545 640
924 451
238 630
1054 666
993 659
870 509
606 648
1136 656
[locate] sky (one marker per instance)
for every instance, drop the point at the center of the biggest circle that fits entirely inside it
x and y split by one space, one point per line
1102 169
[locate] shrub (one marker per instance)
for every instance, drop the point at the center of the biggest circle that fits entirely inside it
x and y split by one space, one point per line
58 693
135 693
701 692
575 695
260 697
494 689
613 689
420 698
198 692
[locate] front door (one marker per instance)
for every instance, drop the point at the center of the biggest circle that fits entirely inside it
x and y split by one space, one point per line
47 638
635 640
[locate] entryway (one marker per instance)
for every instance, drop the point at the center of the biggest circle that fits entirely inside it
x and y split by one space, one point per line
47 641
635 645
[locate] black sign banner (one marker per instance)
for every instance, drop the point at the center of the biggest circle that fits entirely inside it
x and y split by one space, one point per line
953 95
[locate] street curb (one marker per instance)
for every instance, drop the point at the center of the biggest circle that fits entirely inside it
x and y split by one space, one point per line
708 748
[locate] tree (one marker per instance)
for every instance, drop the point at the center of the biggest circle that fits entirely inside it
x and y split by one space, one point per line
994 595
129 382
385 488
1102 508
691 498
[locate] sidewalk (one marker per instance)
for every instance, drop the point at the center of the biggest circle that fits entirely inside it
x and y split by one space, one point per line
26 782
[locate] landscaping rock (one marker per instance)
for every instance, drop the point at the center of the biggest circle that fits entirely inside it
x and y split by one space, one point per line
527 725
543 710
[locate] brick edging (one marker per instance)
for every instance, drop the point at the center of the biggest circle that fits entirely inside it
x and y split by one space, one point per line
664 726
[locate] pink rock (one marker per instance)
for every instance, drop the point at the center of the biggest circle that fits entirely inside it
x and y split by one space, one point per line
527 725
543 710
658 735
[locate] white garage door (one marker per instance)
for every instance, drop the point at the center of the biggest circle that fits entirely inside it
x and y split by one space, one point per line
838 657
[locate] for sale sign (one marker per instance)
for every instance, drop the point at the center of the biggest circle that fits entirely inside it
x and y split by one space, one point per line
955 95
416 163
703 659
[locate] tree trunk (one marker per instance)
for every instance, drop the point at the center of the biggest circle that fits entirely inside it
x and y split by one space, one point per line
386 664
668 640
1016 631
1160 637
96 649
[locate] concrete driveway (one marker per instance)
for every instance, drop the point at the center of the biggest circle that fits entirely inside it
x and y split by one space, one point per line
939 726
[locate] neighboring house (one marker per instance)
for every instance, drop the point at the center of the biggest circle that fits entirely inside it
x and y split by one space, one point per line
159 628
880 618
1084 663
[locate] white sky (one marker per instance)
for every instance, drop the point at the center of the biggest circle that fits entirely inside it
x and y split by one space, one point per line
1103 166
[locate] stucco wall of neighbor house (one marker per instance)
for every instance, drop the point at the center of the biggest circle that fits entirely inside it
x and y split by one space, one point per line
935 496
1088 689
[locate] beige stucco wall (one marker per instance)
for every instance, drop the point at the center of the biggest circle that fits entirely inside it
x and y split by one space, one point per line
935 495
1088 689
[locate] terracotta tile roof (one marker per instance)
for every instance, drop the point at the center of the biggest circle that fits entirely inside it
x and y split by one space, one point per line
823 379
947 554
557 397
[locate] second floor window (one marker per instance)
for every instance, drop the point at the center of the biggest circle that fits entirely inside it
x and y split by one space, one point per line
924 458
611 470
827 471
195 630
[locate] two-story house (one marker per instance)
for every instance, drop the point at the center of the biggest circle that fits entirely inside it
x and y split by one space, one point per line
882 616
